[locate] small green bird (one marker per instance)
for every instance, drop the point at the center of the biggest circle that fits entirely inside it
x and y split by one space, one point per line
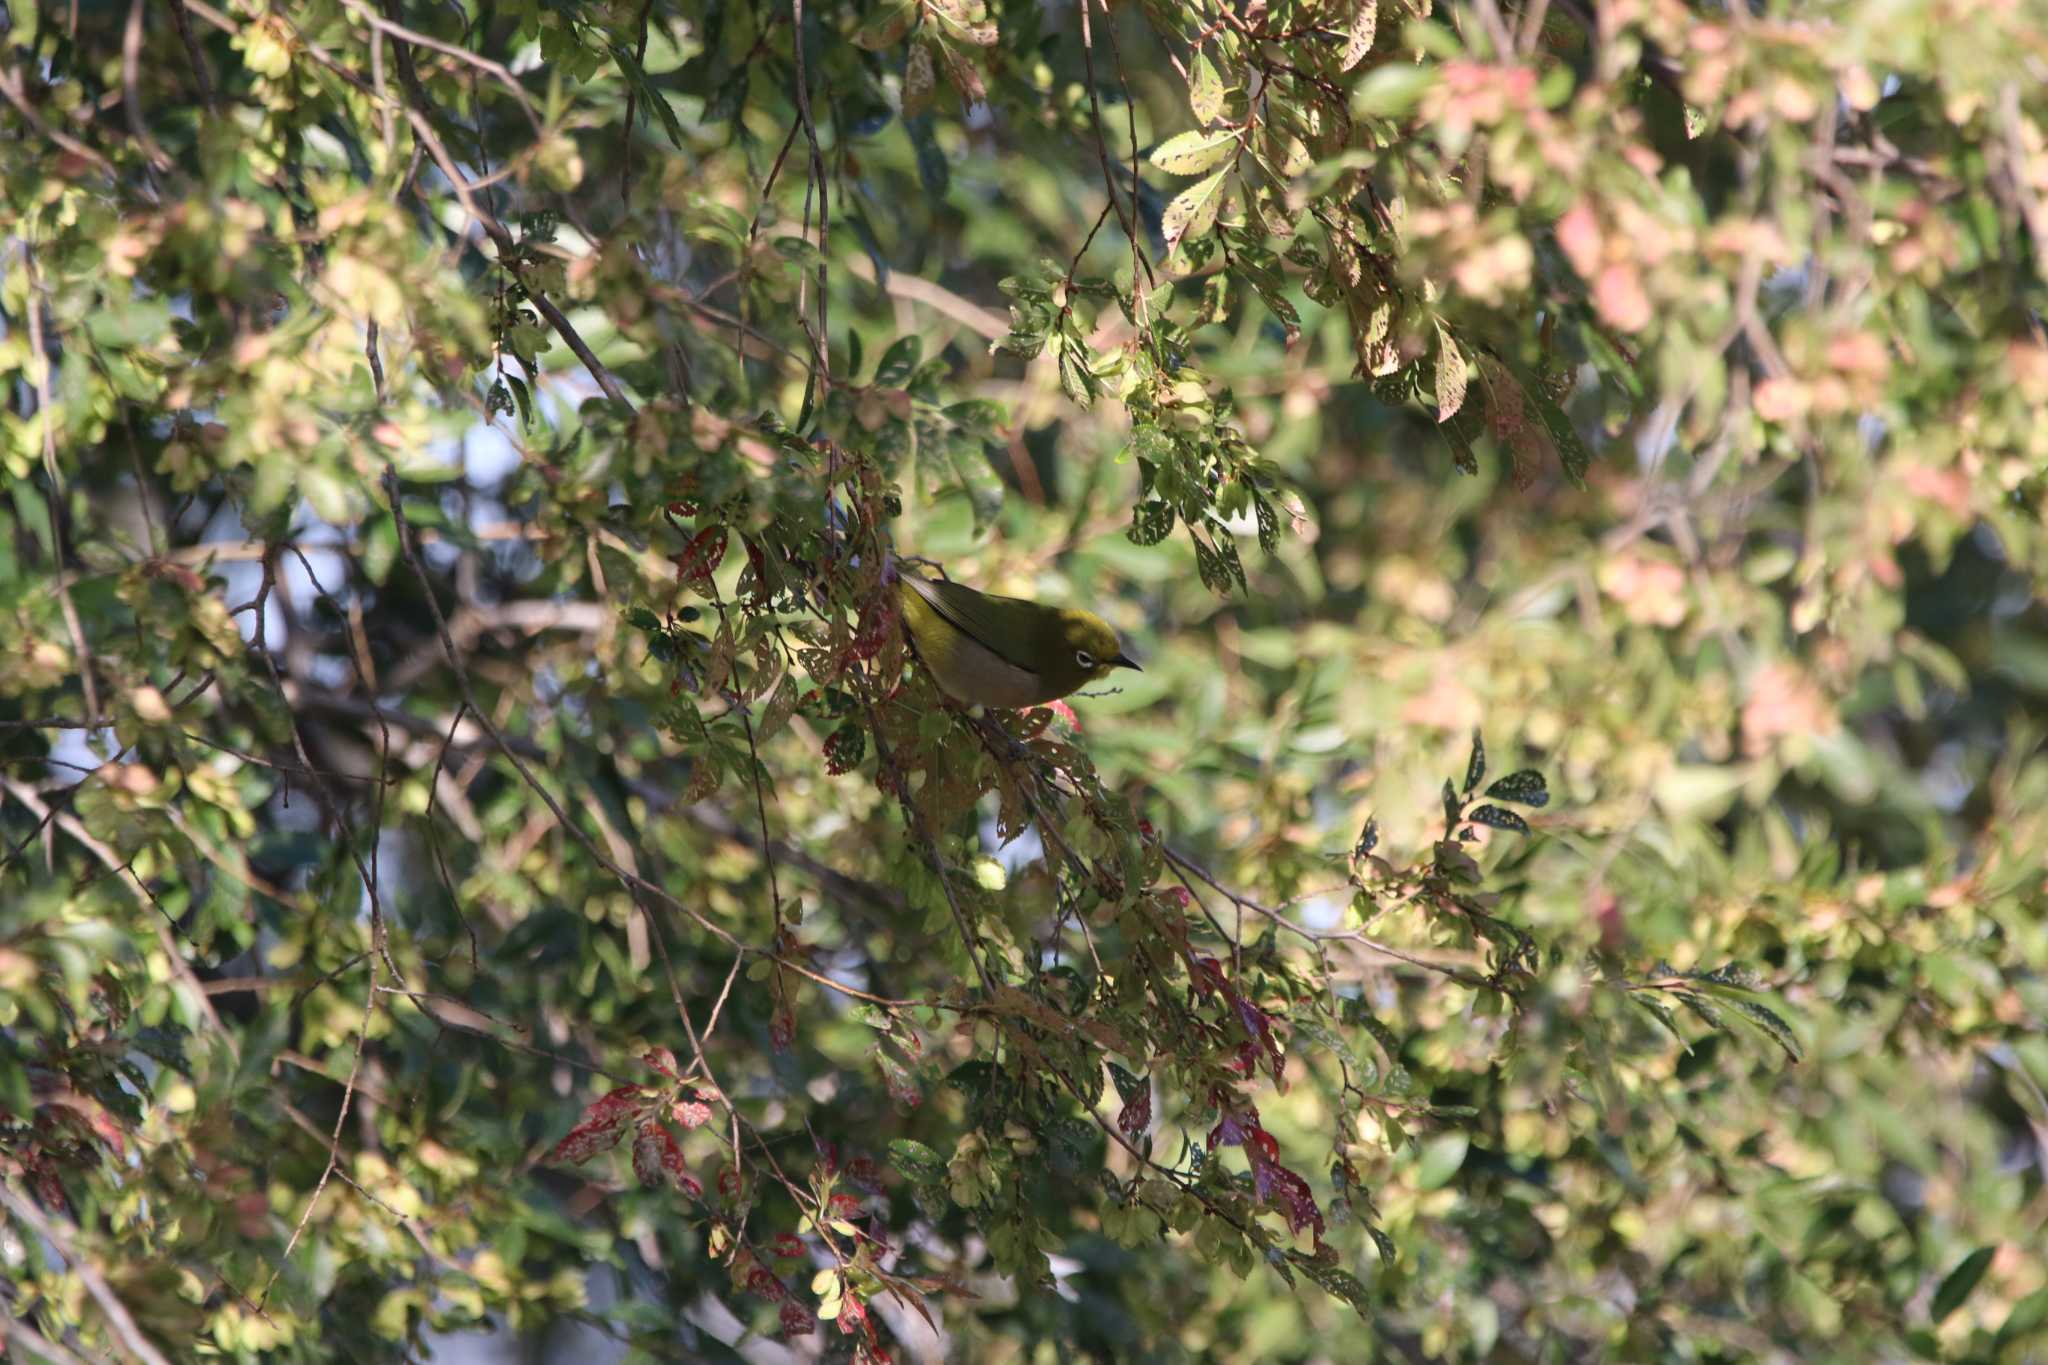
1004 651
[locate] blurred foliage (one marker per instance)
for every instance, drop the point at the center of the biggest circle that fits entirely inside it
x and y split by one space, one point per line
469 829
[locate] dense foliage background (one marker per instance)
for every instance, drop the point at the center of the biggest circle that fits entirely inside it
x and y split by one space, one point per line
474 856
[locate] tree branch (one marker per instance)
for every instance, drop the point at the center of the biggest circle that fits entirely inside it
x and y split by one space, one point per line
64 1237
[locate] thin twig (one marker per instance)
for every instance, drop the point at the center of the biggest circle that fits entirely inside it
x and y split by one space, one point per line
631 880
495 70
821 342
1128 219
131 89
333 1140
46 414
632 96
508 249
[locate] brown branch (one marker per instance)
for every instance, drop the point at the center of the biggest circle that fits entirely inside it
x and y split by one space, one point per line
60 1234
14 1332
131 92
193 53
166 939
17 95
935 296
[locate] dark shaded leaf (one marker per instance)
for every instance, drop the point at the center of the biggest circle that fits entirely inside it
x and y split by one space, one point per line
1957 1285
1500 818
1526 788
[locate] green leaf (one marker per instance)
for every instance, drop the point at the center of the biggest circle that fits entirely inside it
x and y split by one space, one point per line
1205 89
1151 522
1442 1157
1309 1027
1214 573
917 1162
1770 1021
1269 524
650 100
1572 453
845 748
887 26
1451 375
1193 211
1193 152
1958 1284
1392 90
1663 1015
1338 1283
897 363
798 249
1365 15
2028 1316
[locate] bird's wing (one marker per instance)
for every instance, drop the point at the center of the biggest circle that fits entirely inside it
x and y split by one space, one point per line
969 612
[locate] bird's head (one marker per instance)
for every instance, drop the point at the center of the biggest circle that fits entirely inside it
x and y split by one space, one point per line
1082 649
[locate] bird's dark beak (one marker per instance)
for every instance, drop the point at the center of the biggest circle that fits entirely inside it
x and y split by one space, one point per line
1126 661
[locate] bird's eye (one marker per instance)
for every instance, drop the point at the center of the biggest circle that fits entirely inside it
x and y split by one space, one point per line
1084 658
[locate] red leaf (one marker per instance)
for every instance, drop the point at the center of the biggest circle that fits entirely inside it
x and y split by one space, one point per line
844 1206
861 1171
788 1244
1136 1115
798 1321
1066 713
763 1281
1234 1127
700 557
729 1183
853 1316
845 748
663 1061
647 1153
656 1154
896 1076
877 627
602 1125
692 1112
756 580
1275 1183
1259 1025
782 1030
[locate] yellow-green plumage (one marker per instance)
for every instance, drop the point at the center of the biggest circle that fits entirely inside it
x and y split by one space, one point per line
1004 651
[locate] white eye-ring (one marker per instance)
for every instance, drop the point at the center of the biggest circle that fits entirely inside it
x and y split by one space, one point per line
1084 658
